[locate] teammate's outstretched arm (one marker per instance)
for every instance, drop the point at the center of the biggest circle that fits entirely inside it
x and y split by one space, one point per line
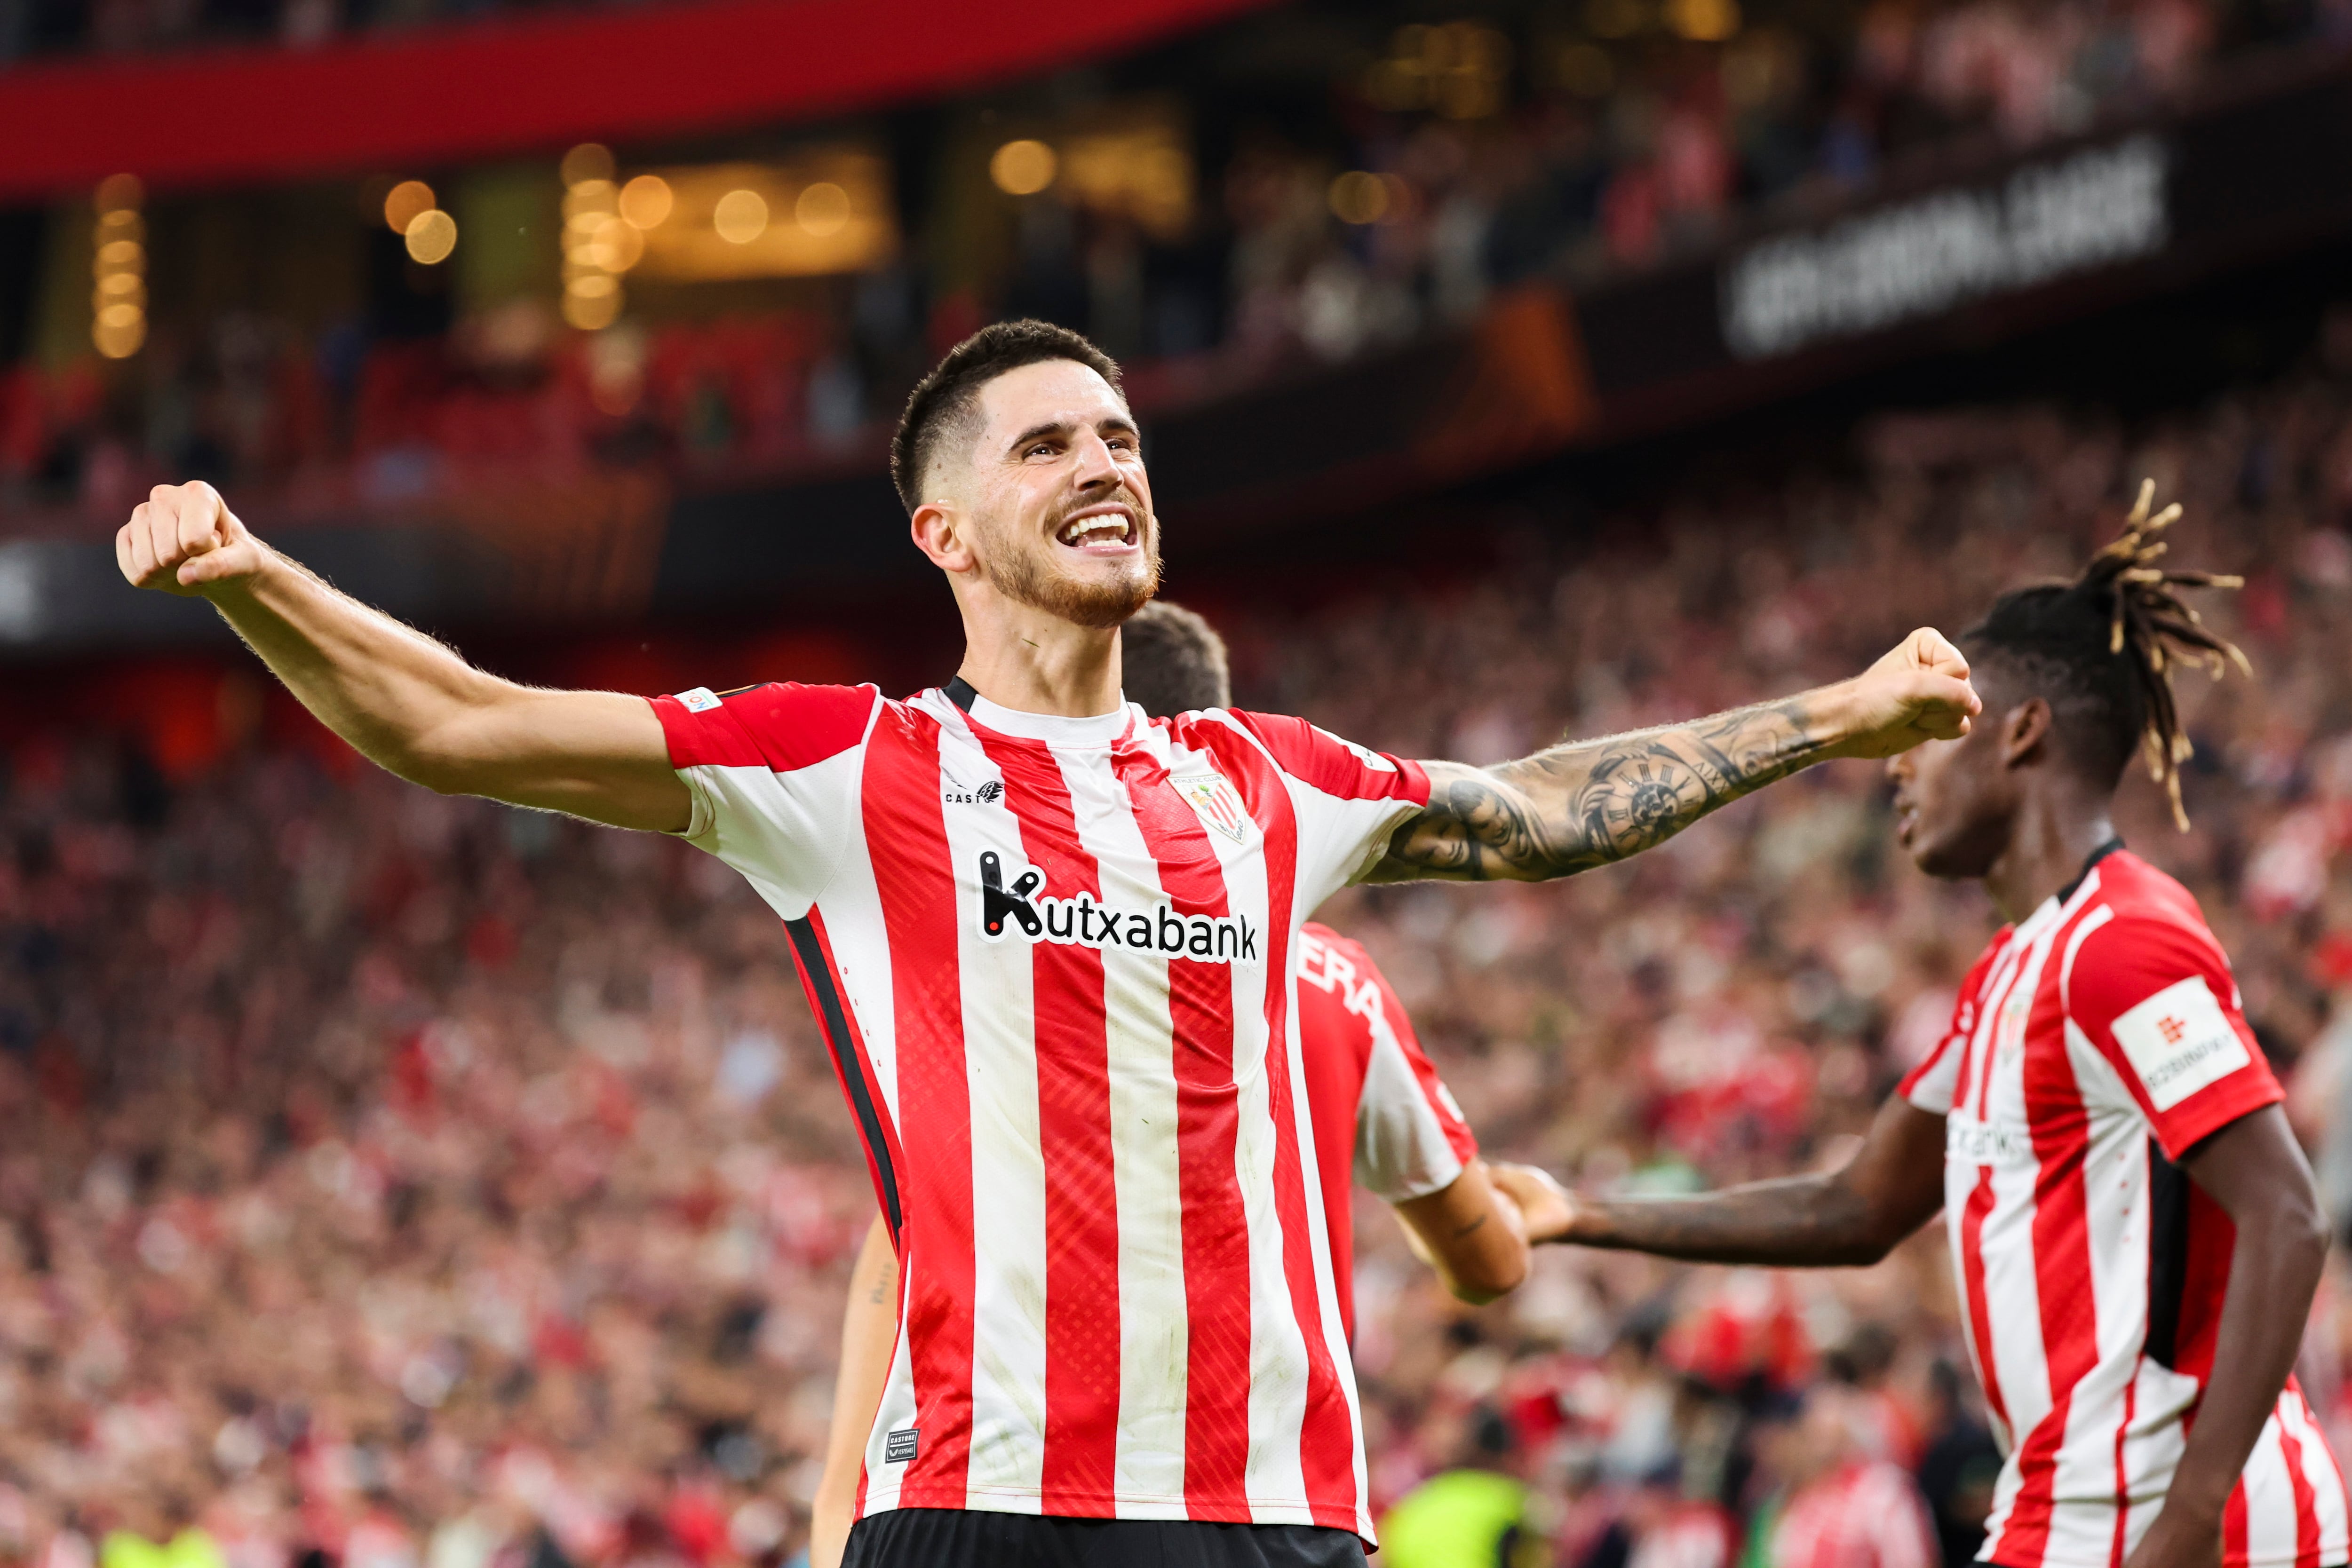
1852 1215
1589 802
406 702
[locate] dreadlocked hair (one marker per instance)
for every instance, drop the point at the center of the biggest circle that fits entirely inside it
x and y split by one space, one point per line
2101 649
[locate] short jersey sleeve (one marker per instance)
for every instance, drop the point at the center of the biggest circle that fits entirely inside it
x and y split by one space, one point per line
1350 800
1933 1083
774 774
2155 997
1411 1137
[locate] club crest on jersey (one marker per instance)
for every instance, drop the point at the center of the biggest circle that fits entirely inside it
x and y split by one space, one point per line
1019 904
1214 800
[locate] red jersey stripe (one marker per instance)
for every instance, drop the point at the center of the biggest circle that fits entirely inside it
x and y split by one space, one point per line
1327 1439
902 806
1980 1205
1082 1374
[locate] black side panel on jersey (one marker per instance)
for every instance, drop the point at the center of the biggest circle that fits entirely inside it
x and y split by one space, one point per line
2168 1253
835 1018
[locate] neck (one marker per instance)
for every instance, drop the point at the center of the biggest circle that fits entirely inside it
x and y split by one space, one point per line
2056 831
1034 661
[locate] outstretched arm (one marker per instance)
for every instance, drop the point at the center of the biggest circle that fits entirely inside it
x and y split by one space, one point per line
404 701
1854 1215
2254 1170
1584 804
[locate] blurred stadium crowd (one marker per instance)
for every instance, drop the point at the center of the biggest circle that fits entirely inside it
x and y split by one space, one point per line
412 1183
1437 164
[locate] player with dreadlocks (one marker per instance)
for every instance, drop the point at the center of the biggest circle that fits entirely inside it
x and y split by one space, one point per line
2136 1236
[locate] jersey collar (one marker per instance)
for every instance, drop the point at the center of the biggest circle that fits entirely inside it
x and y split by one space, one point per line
1096 729
2054 906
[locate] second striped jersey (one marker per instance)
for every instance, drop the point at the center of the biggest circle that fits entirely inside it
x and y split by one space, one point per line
2094 1045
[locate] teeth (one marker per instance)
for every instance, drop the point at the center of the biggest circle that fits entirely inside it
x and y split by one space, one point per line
1096 531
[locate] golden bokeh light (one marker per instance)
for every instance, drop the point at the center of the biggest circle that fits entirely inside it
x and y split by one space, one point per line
586 162
823 209
1704 21
646 200
406 202
118 269
432 235
1358 197
741 217
615 244
1023 168
592 312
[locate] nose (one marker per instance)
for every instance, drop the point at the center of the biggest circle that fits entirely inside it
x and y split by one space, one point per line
1898 766
1095 468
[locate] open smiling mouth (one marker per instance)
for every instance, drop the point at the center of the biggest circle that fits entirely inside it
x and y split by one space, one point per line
1098 531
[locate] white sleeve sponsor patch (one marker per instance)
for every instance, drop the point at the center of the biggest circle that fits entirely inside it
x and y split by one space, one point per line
2180 1041
701 699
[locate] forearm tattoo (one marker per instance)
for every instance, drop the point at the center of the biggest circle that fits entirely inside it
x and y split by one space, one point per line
1585 804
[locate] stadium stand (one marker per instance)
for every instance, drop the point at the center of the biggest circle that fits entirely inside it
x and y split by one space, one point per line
472 1191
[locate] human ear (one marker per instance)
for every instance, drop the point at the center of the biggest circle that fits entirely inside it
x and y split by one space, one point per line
938 528
2024 730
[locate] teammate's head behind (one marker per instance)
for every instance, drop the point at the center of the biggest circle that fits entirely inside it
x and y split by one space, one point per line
2077 676
1022 472
1173 661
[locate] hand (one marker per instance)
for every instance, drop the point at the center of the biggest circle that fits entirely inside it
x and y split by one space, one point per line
183 539
2178 1541
1547 1208
1918 692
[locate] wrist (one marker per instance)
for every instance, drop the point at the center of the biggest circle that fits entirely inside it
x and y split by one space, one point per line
2191 1505
1835 717
244 585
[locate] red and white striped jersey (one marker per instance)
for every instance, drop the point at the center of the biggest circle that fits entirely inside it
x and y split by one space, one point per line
1376 1101
2094 1044
1053 958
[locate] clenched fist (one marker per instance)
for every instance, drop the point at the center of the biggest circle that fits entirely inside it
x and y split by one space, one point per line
183 539
1548 1209
1918 692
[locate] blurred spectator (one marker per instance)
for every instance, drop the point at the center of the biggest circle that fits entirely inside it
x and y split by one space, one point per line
1472 1516
1958 1470
1837 1507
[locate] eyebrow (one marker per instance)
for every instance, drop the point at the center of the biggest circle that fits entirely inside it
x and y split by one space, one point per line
1064 427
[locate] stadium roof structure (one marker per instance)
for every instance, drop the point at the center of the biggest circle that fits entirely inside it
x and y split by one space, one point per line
245 115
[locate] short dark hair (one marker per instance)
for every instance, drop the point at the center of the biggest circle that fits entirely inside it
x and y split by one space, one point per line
2100 651
946 401
1174 662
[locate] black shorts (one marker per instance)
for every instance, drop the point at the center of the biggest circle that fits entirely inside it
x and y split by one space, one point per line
967 1538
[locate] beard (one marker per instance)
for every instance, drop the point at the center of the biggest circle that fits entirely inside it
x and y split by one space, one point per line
1027 576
